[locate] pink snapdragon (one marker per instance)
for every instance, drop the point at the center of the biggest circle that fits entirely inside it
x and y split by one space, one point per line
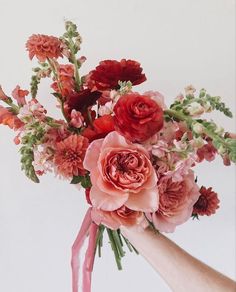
19 95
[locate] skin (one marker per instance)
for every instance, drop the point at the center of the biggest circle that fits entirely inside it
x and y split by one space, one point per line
181 271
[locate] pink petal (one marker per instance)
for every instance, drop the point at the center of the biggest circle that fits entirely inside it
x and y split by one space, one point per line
101 200
161 224
92 154
146 200
115 140
105 218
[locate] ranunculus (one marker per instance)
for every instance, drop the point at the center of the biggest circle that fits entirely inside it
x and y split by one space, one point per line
176 202
121 174
120 217
43 47
101 127
207 203
137 117
109 72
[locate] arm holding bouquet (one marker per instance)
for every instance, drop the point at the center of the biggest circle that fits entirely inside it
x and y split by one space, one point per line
133 155
181 271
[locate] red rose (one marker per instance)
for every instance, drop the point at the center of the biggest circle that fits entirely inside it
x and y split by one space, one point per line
109 72
101 127
137 117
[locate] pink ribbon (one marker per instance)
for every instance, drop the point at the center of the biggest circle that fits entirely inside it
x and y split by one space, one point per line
87 227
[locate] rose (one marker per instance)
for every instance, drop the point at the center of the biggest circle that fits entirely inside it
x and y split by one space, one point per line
121 217
176 202
121 174
137 117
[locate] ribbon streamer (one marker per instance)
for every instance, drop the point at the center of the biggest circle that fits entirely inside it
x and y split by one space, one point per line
87 227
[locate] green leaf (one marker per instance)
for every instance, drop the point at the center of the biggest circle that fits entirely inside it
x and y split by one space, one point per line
84 180
76 179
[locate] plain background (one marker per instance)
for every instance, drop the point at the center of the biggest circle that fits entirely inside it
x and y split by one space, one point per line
178 43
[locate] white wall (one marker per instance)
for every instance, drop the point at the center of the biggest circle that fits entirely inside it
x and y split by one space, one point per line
177 42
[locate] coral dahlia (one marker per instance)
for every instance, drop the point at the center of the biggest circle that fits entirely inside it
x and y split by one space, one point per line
69 156
43 46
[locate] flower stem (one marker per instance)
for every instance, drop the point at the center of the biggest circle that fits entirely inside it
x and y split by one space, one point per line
114 248
74 61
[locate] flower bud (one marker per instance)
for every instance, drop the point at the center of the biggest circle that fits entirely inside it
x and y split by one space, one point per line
197 142
195 109
189 90
198 128
207 107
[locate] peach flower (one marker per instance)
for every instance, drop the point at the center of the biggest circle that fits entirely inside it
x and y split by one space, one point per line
69 156
43 46
66 83
121 174
9 119
176 202
114 219
19 95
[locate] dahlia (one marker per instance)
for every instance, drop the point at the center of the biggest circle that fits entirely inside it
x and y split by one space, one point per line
69 156
43 47
207 203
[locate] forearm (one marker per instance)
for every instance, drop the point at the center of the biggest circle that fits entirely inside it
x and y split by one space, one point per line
181 271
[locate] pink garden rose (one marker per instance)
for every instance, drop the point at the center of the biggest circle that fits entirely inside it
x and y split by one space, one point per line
176 202
121 174
115 219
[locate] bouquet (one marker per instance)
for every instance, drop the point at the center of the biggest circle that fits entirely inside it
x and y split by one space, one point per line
133 155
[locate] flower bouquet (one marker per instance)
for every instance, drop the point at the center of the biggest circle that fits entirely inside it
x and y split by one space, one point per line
133 155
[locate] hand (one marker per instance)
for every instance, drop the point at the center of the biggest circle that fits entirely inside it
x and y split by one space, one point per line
175 265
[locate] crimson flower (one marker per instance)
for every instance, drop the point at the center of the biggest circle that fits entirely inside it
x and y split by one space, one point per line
137 117
109 72
101 127
81 100
207 203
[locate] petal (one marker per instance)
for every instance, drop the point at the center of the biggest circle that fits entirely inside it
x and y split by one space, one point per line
115 140
103 201
161 224
105 218
92 154
145 200
182 216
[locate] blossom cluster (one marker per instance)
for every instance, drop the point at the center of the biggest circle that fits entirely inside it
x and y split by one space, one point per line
132 153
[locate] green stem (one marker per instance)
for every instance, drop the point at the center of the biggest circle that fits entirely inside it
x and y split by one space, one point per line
99 239
114 248
74 61
178 115
118 243
182 117
60 88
